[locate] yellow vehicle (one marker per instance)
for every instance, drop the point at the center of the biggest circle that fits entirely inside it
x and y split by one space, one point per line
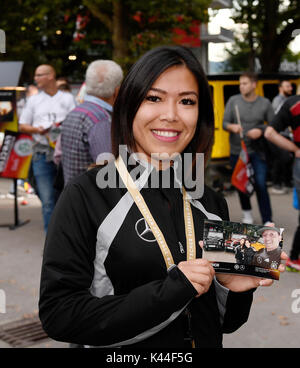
223 86
257 246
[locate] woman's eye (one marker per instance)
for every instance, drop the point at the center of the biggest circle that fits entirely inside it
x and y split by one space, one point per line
153 98
188 101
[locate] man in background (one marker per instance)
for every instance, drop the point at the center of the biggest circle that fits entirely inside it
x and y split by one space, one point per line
285 89
50 106
279 160
289 116
254 110
86 131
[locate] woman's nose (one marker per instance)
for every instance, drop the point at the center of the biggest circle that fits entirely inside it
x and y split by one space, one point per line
169 112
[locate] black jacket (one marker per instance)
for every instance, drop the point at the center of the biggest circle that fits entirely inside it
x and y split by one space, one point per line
267 259
104 281
244 255
249 254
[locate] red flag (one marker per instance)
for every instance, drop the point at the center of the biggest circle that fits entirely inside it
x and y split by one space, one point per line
242 177
243 174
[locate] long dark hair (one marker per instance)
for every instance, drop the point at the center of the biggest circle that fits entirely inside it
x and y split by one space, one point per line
136 85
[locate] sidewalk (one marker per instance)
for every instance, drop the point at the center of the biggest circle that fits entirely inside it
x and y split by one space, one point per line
20 259
272 323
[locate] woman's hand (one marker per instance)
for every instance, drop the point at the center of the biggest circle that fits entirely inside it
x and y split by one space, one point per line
239 283
199 272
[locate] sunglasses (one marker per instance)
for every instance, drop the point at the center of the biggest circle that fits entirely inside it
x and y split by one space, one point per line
41 74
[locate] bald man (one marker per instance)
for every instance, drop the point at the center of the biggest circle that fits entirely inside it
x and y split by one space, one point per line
270 255
49 107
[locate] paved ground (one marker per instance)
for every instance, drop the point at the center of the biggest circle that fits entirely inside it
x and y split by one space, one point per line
272 322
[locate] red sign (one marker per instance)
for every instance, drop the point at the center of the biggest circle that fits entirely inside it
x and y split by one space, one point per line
15 155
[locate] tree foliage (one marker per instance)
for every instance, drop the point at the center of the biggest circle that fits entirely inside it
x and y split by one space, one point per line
45 31
136 26
270 25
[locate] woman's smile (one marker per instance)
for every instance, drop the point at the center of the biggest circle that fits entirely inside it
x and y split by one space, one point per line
166 135
166 121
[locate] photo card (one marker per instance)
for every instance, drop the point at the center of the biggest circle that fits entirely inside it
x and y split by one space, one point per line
243 249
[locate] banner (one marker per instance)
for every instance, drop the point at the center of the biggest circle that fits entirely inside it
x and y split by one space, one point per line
15 155
8 111
243 174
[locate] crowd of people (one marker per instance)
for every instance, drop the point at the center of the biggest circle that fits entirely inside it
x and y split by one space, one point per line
261 139
100 274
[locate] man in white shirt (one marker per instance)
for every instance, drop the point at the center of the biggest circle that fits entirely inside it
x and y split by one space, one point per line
49 107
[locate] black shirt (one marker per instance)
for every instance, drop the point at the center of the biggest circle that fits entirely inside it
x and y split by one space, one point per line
289 116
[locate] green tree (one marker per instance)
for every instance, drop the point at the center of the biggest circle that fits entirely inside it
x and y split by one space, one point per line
137 26
43 32
270 26
239 55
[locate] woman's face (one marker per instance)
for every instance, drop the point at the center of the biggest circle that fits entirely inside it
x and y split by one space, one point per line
167 118
247 243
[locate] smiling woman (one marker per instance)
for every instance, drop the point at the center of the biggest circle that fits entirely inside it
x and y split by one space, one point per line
166 120
164 105
122 265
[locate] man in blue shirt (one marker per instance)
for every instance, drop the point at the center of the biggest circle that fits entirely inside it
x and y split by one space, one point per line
86 130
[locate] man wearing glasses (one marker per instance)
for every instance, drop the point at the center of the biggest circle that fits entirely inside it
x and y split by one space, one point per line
41 113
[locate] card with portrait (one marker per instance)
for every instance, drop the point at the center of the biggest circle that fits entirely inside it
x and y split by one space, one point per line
244 249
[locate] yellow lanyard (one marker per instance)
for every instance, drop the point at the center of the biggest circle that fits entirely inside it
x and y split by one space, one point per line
142 206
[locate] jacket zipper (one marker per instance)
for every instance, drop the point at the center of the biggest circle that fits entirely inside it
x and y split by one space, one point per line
181 248
189 330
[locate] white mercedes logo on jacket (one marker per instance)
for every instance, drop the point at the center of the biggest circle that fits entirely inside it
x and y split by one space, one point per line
143 231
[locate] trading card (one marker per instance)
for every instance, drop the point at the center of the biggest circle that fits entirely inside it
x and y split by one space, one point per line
244 249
